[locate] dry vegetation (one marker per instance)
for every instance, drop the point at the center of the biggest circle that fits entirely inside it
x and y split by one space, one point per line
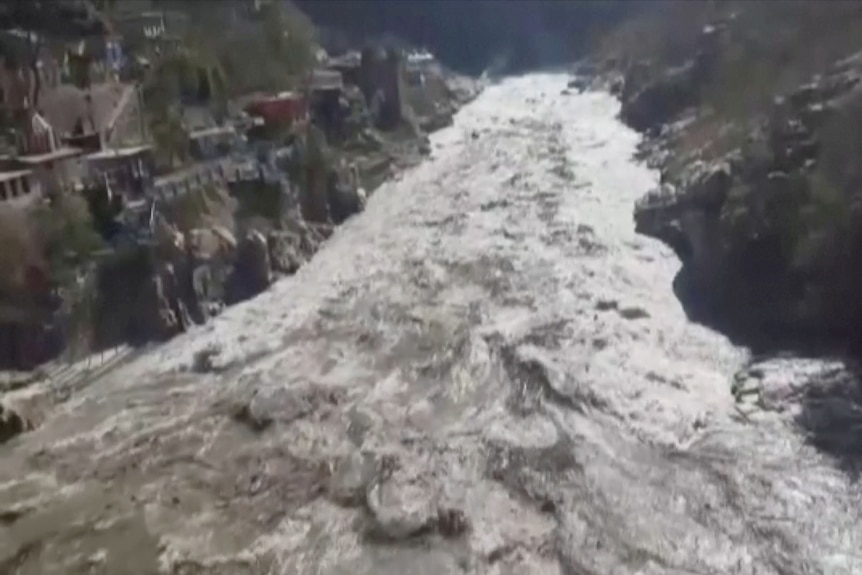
202 207
662 32
772 47
792 218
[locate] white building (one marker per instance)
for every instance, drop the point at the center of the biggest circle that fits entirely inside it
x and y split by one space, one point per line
19 187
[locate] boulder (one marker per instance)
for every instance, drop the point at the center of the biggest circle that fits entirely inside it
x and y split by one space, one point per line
710 188
155 319
343 200
441 118
285 252
401 506
311 235
11 424
579 83
216 242
350 479
661 99
252 271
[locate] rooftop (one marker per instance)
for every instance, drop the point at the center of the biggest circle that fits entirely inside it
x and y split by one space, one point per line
9 176
112 153
348 60
286 95
65 105
59 154
147 14
261 98
327 80
214 131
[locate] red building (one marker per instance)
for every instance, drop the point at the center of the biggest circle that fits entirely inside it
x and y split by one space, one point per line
285 108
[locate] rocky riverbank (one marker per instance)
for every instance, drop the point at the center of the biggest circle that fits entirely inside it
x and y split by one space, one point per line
482 373
251 242
213 249
753 122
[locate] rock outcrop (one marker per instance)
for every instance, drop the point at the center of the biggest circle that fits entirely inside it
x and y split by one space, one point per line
651 98
767 229
11 424
252 271
382 84
344 197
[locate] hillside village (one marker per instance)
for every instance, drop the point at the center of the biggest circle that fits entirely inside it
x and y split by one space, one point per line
149 175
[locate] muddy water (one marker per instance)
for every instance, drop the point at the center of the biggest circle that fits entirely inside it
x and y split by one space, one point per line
486 372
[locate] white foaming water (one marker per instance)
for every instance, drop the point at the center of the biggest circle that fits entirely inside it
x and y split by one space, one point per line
493 325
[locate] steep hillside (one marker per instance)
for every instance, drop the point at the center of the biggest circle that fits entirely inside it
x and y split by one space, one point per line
470 35
753 112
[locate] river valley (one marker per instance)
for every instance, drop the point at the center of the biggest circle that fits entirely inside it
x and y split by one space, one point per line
486 372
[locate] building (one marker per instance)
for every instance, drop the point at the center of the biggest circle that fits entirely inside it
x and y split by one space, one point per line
322 80
19 187
150 28
349 66
54 168
284 109
195 176
327 108
212 143
55 172
104 115
125 171
418 64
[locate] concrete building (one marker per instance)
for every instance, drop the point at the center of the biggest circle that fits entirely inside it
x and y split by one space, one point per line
126 171
212 143
19 188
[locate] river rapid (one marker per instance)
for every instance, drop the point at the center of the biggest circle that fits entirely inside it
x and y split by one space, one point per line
486 372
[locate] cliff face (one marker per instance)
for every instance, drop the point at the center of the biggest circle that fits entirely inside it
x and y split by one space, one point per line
756 131
469 36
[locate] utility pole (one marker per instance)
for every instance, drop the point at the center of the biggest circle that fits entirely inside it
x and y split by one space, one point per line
142 126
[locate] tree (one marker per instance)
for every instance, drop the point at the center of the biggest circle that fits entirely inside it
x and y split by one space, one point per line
289 36
210 82
69 242
192 72
39 19
171 137
68 238
271 52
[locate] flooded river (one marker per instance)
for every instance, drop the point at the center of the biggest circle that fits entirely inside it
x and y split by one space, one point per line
486 372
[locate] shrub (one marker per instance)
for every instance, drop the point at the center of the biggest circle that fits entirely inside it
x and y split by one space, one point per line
67 237
201 207
20 249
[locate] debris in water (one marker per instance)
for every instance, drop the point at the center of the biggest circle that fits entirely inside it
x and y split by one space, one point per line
202 361
11 424
248 414
634 313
